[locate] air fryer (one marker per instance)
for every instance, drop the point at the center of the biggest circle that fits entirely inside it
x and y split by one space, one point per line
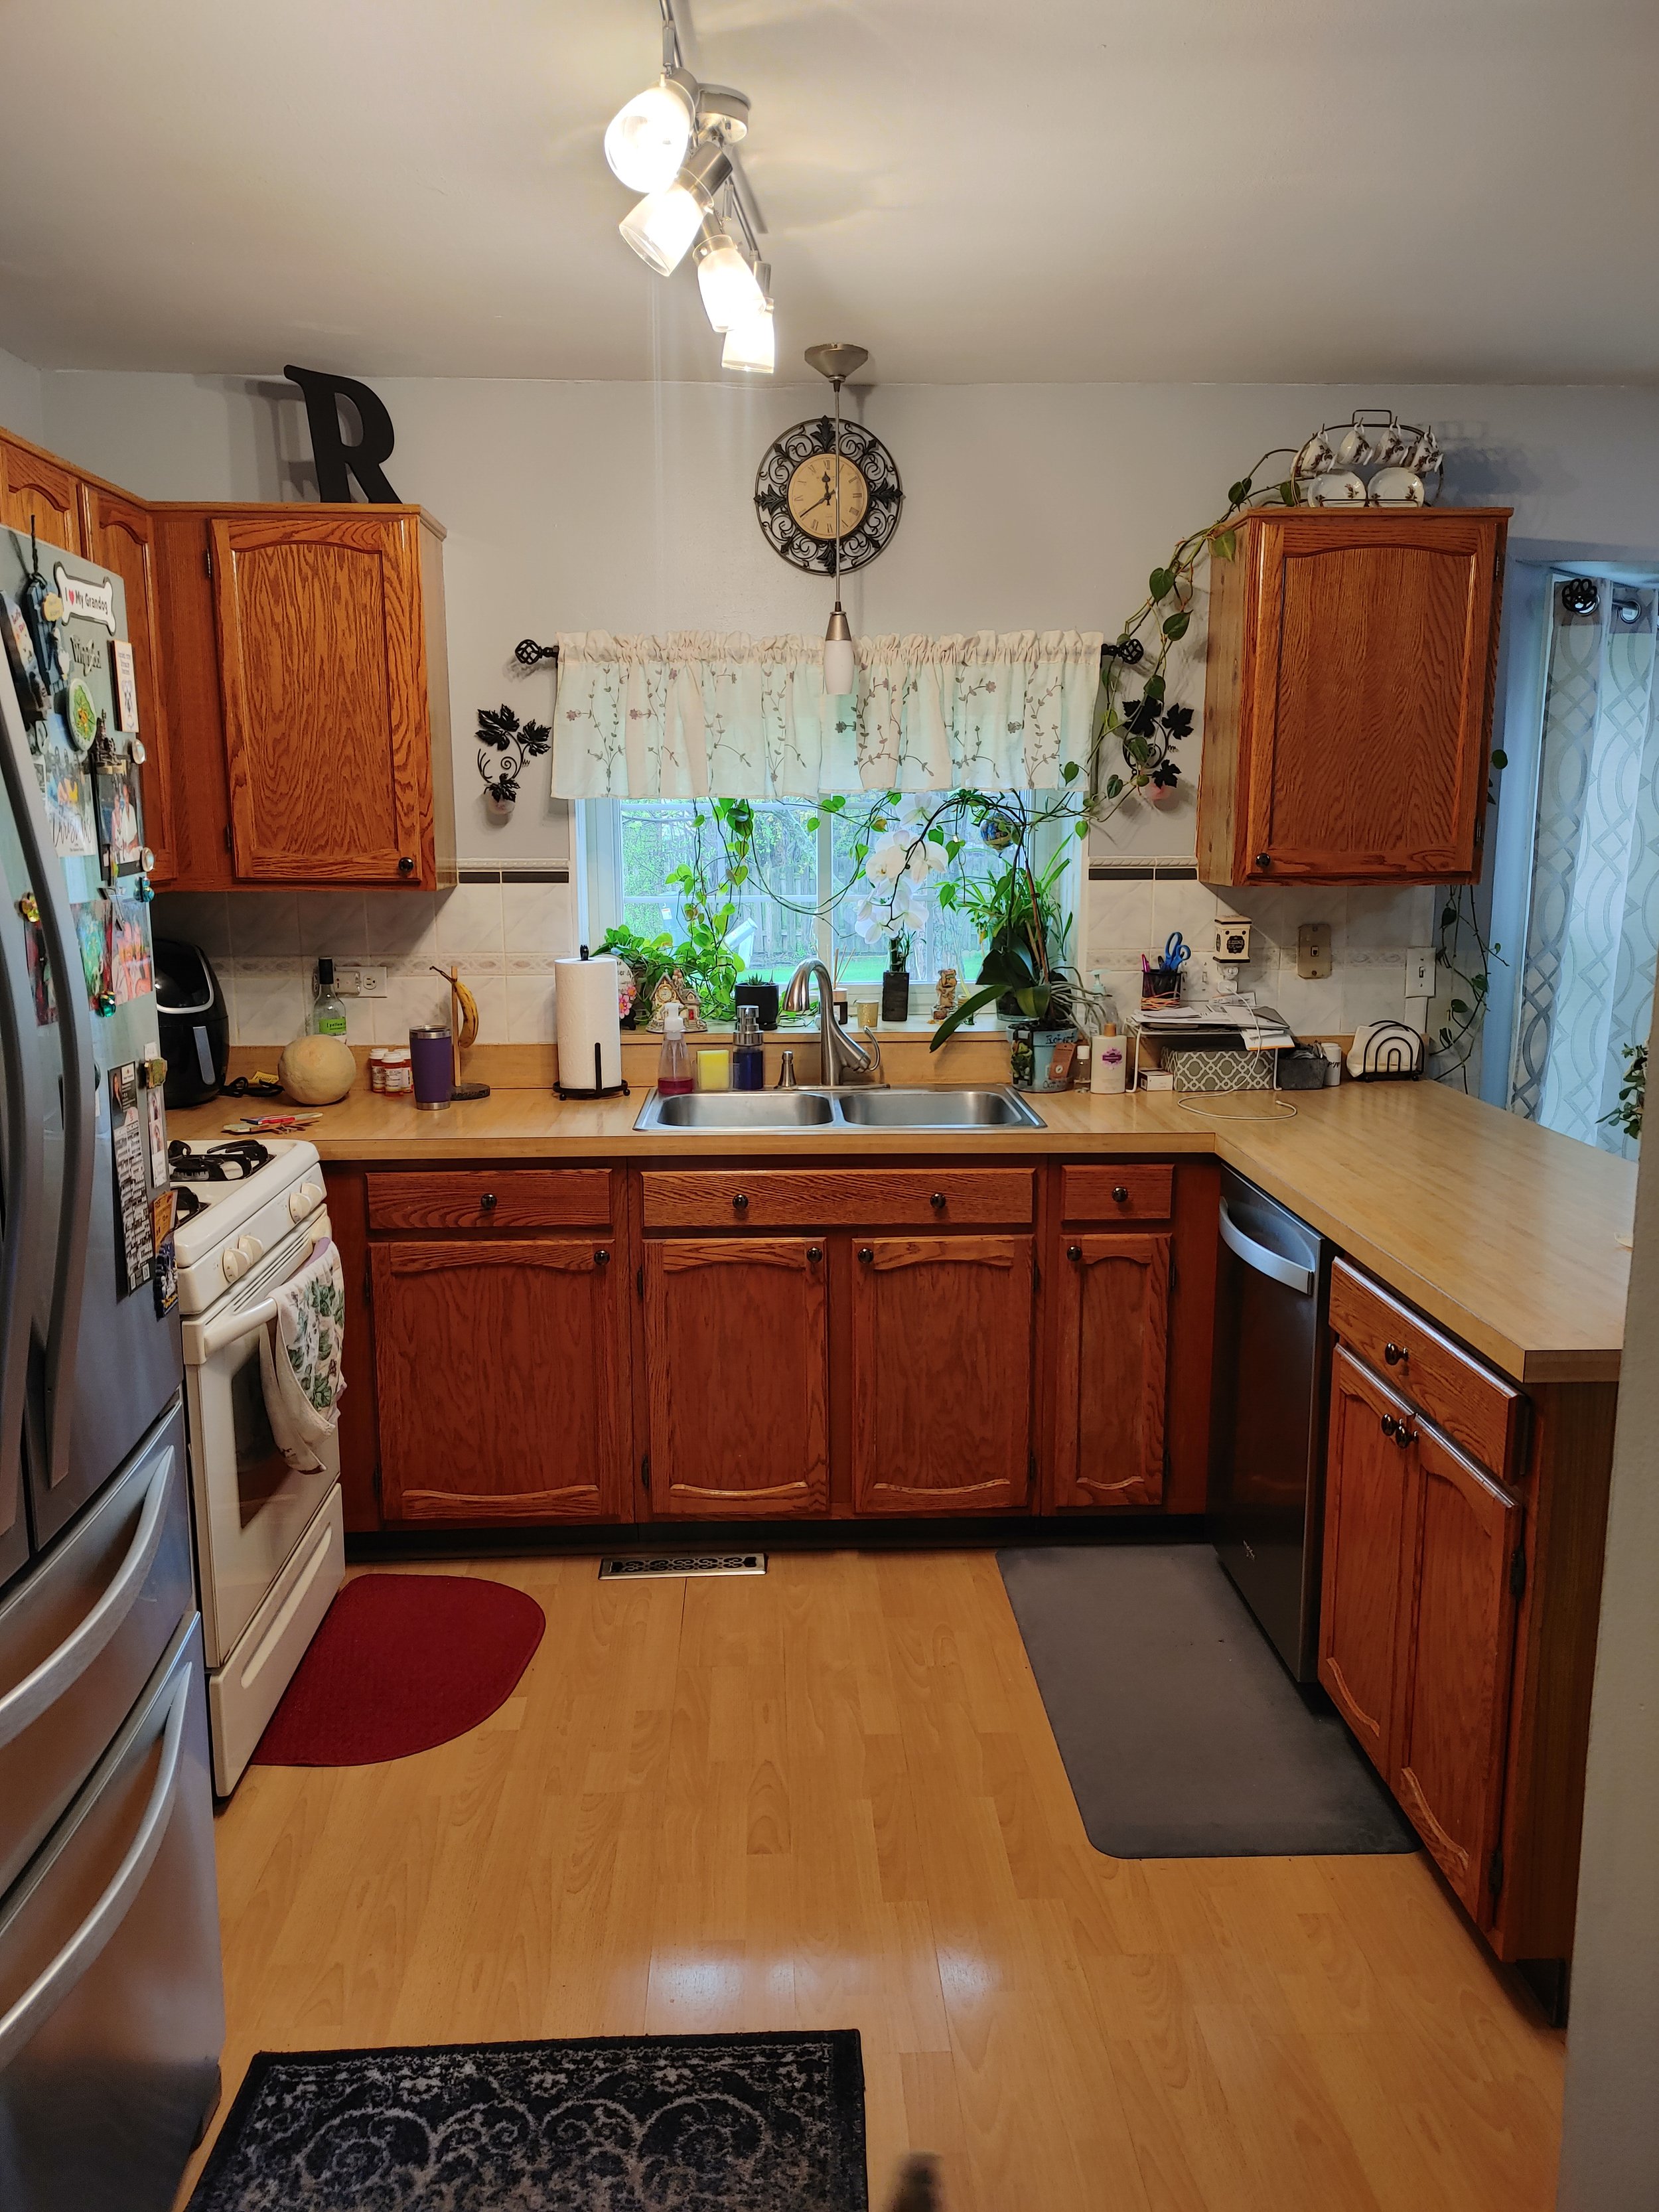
195 1027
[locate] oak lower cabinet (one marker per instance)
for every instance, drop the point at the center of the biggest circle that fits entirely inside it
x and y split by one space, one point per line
1112 1376
1366 1485
941 1383
737 1349
502 1379
1351 661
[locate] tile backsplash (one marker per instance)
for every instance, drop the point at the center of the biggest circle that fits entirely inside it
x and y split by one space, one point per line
502 936
505 936
1371 929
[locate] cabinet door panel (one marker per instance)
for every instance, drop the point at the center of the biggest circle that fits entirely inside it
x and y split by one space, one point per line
1461 1541
1368 1480
942 1330
323 669
1113 1376
120 536
36 491
499 1376
1368 746
737 1358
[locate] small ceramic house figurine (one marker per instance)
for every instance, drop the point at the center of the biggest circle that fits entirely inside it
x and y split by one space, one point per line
945 1002
673 989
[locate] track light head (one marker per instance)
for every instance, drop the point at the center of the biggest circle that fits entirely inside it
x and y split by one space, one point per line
663 224
730 293
647 140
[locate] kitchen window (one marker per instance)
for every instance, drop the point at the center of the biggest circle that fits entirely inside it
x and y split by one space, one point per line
630 847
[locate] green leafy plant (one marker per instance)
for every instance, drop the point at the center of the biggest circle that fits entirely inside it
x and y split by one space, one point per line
1627 1115
1463 961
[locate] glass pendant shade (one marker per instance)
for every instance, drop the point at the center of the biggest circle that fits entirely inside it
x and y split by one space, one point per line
840 661
752 344
661 227
730 293
647 140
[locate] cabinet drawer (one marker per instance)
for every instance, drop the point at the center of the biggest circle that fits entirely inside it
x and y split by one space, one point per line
1137 1193
515 1197
856 1197
1475 1407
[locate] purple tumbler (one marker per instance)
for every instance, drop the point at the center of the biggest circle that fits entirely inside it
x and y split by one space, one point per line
432 1058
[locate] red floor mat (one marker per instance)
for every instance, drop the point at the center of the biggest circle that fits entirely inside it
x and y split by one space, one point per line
401 1663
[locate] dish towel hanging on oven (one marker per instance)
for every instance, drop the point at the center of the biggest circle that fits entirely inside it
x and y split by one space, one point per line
299 1355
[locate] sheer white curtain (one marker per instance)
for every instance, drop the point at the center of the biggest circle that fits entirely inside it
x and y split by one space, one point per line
695 715
1592 936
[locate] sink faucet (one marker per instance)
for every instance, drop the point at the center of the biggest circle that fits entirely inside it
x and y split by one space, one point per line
842 1059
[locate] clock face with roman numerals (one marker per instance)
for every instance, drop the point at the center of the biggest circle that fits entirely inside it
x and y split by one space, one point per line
796 493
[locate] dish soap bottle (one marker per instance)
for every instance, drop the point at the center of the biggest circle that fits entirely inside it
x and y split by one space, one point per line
748 1052
674 1068
328 1016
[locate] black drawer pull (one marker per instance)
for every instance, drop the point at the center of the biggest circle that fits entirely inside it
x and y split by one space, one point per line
740 1201
1394 1353
867 1254
1387 1425
936 1201
813 1255
1121 1192
487 1203
1405 1437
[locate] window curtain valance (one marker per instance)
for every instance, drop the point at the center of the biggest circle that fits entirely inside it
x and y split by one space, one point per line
696 715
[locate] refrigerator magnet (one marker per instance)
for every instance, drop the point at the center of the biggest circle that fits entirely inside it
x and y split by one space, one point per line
156 1116
135 1244
66 787
82 710
126 684
120 826
32 695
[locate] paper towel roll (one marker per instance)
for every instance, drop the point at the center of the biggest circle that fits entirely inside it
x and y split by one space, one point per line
585 1016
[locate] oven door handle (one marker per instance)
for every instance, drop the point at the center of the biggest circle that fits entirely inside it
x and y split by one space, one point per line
25 1703
201 1344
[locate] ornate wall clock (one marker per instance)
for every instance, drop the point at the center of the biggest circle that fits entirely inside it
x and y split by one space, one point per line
795 496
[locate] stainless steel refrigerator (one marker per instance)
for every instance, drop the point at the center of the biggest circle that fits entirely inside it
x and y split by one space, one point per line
112 2010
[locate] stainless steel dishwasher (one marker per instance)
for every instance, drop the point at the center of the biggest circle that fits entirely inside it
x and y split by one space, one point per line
1273 1366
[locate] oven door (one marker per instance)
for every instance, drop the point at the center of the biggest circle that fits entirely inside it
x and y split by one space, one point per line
252 1507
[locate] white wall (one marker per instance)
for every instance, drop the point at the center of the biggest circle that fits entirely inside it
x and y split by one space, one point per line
20 398
627 507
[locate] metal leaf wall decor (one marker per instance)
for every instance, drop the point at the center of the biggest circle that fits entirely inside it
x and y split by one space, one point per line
505 745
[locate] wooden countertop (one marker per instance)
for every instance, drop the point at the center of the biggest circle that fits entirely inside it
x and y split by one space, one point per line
1502 1231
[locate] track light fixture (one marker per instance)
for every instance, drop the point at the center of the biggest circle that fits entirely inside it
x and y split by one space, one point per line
672 143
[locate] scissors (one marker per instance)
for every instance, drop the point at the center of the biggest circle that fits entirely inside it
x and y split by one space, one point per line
1176 951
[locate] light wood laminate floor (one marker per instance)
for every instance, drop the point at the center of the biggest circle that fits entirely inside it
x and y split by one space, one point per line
831 1798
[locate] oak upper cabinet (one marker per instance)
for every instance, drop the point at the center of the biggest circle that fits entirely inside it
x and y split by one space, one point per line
39 491
501 1375
120 534
1463 1570
1113 1372
737 1364
942 1373
1348 696
1367 1485
334 693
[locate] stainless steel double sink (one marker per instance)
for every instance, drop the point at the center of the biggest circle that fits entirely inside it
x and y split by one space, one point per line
921 1108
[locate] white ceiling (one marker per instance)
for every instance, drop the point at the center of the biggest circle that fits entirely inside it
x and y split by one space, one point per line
988 191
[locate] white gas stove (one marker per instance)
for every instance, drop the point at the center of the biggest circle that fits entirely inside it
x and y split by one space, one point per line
269 1537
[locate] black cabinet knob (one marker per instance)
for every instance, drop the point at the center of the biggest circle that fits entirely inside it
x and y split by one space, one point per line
487 1203
740 1201
601 1259
1074 1251
1387 1425
936 1201
867 1254
814 1255
1403 1436
1394 1353
406 865
1121 1192
1264 860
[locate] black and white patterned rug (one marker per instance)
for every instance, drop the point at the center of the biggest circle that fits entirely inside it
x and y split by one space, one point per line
615 2123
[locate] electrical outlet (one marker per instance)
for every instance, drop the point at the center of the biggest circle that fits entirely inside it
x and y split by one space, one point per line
358 981
1312 951
1419 971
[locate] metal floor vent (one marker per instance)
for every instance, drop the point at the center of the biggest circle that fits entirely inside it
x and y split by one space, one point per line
644 1564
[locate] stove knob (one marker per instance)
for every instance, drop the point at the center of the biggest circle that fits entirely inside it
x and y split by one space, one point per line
251 1248
235 1263
304 1201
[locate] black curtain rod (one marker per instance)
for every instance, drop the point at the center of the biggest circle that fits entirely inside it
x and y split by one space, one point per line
529 654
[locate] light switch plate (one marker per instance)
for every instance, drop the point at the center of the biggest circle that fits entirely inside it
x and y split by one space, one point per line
1419 971
1312 951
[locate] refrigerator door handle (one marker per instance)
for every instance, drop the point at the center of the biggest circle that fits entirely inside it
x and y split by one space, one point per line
25 1182
1265 1263
50 1988
24 1704
80 1067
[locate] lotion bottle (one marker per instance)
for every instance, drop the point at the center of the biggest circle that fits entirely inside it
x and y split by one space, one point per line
674 1068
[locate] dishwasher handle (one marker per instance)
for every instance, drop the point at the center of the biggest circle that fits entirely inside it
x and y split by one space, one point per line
1265 1263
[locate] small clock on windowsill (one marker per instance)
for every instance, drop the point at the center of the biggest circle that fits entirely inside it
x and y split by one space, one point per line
795 495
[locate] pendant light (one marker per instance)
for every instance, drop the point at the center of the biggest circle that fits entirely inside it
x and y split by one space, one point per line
837 362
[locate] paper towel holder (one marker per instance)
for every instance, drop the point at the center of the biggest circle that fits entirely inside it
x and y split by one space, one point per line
598 1088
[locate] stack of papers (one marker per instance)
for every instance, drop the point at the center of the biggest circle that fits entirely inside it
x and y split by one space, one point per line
1233 1021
